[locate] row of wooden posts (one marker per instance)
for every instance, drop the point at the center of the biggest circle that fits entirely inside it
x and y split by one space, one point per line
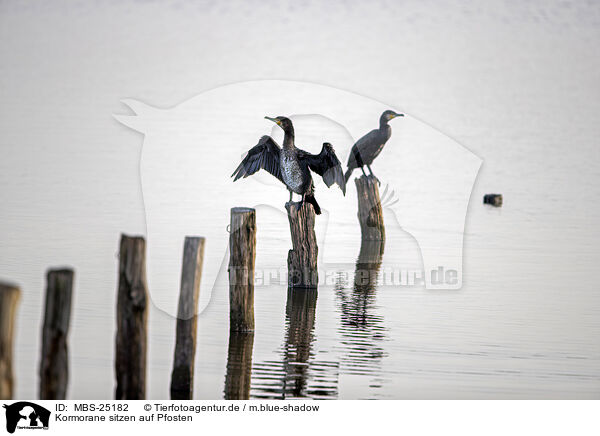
133 300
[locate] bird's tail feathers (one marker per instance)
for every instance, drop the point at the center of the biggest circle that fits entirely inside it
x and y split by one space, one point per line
348 174
310 198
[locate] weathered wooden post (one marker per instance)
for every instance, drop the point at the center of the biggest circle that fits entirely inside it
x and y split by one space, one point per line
239 366
242 253
182 377
132 317
54 363
302 258
9 297
370 213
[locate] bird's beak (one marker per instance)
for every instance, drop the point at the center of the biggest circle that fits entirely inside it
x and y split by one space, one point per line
273 119
398 115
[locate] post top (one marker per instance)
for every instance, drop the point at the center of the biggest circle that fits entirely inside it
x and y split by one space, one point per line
365 179
242 210
195 238
133 237
6 287
60 270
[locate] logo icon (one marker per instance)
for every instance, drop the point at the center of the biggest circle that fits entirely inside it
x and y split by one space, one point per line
26 415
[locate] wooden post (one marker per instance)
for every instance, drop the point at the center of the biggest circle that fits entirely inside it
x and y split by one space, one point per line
239 366
132 317
9 297
370 213
302 258
54 363
182 377
242 253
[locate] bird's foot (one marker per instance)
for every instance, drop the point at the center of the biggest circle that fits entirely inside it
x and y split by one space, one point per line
374 177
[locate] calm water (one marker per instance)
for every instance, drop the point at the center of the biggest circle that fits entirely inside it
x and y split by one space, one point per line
516 85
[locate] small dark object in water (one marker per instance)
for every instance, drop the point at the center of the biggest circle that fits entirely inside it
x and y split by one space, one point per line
493 199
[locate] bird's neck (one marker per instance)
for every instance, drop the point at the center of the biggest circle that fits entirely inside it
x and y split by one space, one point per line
383 124
288 139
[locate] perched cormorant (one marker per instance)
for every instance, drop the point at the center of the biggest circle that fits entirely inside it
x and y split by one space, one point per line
291 165
369 146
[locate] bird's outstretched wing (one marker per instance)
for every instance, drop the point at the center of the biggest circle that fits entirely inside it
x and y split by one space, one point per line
327 165
264 155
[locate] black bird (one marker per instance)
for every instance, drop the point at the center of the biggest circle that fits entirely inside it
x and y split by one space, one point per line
369 146
291 165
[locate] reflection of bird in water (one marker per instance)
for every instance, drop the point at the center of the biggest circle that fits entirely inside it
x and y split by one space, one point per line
291 165
369 146
298 375
361 329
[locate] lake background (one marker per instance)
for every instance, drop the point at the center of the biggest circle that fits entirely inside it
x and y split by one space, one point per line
515 83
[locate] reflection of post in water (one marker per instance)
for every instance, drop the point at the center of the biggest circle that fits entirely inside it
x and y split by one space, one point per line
361 328
368 264
300 316
239 366
296 373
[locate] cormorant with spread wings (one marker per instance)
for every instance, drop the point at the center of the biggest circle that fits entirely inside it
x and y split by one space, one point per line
291 165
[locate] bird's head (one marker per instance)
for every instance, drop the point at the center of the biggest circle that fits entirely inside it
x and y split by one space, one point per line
283 122
390 115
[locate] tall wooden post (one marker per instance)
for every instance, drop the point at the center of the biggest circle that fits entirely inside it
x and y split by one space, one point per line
239 366
182 377
242 253
370 213
9 298
54 363
132 317
302 258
